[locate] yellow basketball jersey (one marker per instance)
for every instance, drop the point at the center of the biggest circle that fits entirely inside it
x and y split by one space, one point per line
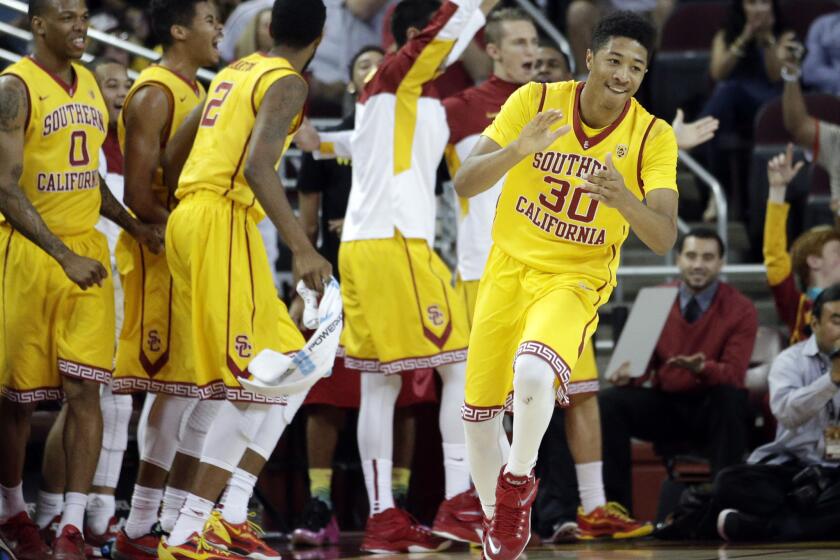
544 218
218 155
183 96
65 129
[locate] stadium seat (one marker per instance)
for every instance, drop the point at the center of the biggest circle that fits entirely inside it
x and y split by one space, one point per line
680 72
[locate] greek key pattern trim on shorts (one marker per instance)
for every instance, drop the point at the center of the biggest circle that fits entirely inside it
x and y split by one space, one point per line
561 370
471 413
83 371
408 364
584 387
216 390
33 396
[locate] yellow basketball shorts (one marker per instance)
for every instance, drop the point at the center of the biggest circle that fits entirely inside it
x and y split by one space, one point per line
521 310
147 339
51 327
223 299
468 292
401 312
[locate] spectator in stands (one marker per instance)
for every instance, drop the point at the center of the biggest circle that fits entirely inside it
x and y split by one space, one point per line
256 36
552 64
582 15
697 372
790 488
814 259
821 67
236 24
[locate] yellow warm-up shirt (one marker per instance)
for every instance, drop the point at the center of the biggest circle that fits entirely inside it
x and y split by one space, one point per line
544 218
65 129
218 154
183 96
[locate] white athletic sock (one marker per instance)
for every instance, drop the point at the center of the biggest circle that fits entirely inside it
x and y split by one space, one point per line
456 468
173 502
145 504
375 434
533 405
235 501
193 516
486 458
378 474
11 501
98 512
74 511
590 485
49 505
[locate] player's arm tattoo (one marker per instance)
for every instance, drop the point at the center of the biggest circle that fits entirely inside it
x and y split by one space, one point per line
14 205
113 210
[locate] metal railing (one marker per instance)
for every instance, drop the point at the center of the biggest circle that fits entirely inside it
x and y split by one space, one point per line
100 36
717 193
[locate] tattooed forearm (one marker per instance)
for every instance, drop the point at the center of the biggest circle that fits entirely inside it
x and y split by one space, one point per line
10 101
113 210
20 213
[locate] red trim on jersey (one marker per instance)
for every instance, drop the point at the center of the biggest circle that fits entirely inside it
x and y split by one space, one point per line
394 68
231 363
641 154
69 88
585 141
192 83
239 164
167 129
263 75
542 98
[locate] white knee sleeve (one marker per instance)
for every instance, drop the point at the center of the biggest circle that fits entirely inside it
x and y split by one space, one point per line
231 432
161 434
276 420
533 404
451 399
375 430
195 427
143 421
116 414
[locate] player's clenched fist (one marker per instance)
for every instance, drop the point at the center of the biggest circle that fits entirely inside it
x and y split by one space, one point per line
313 269
541 132
83 271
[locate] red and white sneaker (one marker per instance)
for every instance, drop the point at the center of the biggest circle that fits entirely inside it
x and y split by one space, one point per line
394 530
610 521
22 536
141 548
243 538
460 518
196 548
69 545
510 529
50 532
94 543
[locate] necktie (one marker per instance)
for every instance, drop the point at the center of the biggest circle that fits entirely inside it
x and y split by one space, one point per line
692 310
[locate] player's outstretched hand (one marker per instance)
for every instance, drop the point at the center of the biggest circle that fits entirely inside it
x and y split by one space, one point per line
540 133
83 271
694 133
607 185
313 269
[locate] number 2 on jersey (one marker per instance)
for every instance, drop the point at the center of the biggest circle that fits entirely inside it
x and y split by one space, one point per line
211 110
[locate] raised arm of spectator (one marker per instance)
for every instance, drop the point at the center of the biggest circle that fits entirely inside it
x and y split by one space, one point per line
818 68
799 124
475 23
793 402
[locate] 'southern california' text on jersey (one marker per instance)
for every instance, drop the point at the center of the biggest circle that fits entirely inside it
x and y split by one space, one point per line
468 114
544 217
216 162
401 133
183 95
65 129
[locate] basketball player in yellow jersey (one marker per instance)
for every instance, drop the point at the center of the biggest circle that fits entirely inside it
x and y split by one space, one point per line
58 311
585 163
223 284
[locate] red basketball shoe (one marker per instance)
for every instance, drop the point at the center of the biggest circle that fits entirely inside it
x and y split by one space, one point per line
394 530
69 545
610 521
510 529
460 518
21 534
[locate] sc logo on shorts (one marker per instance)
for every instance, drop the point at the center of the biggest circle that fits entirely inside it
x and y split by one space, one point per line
435 315
154 341
243 346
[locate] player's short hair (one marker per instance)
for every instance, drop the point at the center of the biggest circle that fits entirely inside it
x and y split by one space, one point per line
810 244
702 233
828 295
99 61
363 50
166 13
493 28
297 24
546 43
411 13
624 24
36 8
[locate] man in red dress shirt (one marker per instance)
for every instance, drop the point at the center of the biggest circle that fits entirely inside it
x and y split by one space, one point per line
696 375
